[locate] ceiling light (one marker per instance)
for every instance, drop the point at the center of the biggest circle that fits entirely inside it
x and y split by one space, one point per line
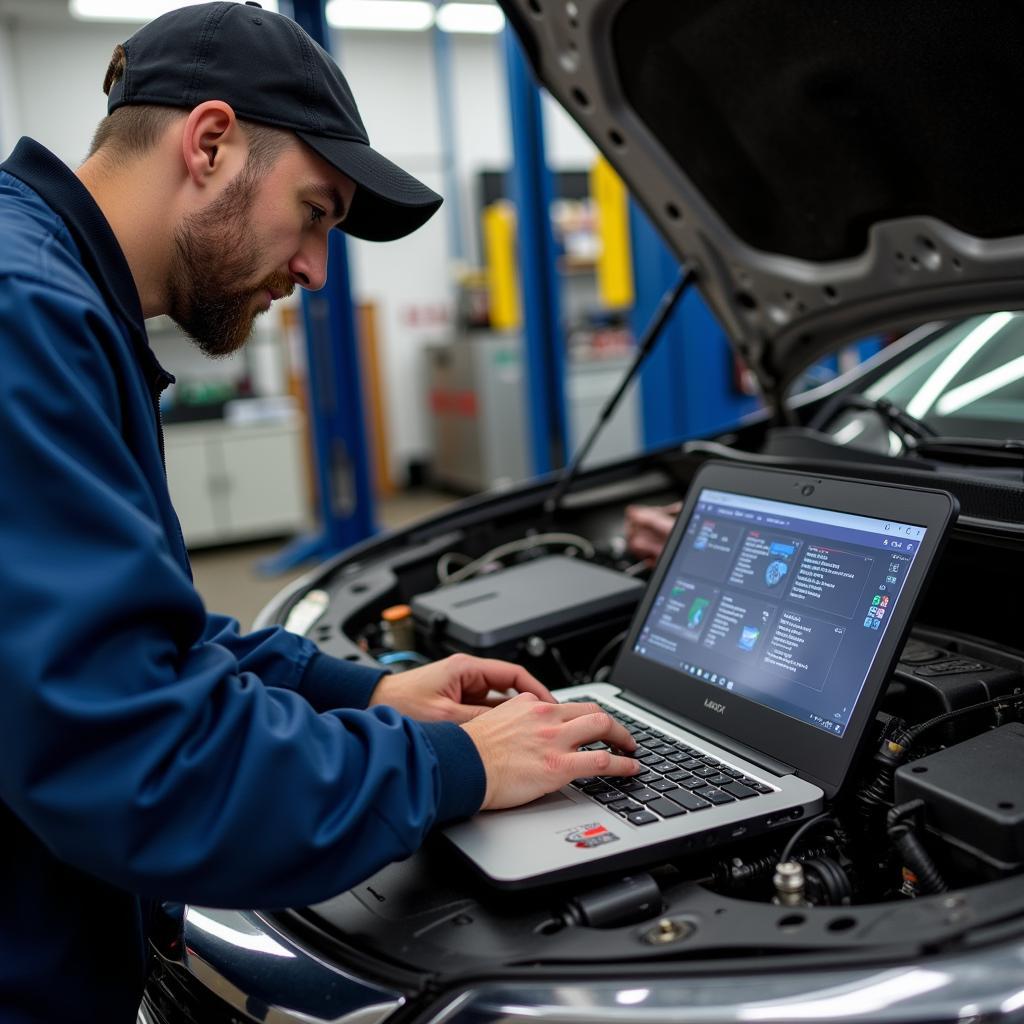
134 10
458 17
385 15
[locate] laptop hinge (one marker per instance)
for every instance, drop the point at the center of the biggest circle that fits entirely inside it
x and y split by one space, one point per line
757 757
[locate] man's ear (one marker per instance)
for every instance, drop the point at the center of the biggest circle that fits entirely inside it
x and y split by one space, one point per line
212 143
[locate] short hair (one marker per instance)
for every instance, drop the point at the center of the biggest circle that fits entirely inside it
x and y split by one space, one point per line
131 131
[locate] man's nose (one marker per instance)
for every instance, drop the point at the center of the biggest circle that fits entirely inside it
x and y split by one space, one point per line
309 265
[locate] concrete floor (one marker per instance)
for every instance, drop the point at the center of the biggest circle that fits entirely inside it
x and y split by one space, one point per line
227 579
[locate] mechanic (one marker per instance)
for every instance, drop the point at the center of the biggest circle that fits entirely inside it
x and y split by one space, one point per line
149 751
646 528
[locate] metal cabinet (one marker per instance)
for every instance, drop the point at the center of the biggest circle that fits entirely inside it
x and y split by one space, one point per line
477 404
231 482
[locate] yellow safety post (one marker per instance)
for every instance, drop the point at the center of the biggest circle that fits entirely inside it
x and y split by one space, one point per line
499 223
614 261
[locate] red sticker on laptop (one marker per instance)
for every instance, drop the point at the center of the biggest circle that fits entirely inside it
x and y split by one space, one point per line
586 836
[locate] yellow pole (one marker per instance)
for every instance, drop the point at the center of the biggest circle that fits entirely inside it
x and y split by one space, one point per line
614 261
499 223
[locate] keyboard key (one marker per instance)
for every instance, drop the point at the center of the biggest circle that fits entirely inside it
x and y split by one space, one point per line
661 766
738 790
625 806
662 748
627 785
607 798
719 779
715 796
642 818
711 762
678 776
662 786
692 764
762 788
693 783
597 787
649 759
588 780
646 777
644 795
678 757
687 800
732 773
747 782
704 773
666 808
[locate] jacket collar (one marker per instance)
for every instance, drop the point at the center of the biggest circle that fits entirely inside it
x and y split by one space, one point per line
102 256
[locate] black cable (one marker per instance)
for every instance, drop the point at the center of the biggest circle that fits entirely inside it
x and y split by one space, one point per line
556 657
644 346
801 832
826 881
596 663
896 747
915 856
915 733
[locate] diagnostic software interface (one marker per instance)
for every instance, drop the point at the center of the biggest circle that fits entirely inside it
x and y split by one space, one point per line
779 603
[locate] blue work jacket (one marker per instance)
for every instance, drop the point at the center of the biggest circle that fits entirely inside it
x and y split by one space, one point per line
148 751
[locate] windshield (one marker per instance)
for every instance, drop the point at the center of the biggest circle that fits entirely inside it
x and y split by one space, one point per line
966 382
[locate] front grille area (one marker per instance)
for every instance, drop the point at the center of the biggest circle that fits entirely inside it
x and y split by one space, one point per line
173 997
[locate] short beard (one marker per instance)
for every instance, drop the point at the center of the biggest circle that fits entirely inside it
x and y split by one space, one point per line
216 250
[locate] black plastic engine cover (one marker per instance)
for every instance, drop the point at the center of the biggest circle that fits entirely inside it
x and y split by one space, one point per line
972 794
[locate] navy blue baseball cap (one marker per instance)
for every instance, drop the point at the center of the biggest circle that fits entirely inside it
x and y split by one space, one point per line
271 71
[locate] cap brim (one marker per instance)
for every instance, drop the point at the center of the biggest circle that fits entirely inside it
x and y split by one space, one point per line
389 203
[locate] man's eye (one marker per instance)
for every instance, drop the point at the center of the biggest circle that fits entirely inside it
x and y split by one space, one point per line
316 214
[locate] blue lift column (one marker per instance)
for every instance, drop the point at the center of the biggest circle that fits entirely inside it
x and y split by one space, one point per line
687 385
532 192
345 493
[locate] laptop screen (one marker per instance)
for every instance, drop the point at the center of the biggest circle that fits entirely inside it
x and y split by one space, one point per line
781 604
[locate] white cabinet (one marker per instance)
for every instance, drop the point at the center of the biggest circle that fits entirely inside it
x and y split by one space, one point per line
234 482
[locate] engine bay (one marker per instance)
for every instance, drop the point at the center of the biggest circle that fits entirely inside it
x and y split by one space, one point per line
923 848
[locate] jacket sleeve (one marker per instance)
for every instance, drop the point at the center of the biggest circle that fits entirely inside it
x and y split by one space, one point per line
285 659
134 745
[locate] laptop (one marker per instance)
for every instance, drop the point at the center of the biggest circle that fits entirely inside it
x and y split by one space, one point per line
749 676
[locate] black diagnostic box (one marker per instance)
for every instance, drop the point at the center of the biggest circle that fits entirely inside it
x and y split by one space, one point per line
973 799
550 597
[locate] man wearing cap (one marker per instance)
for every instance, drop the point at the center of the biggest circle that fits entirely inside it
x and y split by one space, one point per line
149 751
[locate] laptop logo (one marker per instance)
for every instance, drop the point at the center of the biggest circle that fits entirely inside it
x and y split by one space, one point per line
714 706
586 836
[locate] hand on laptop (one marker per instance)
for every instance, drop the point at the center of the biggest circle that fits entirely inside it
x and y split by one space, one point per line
456 689
530 747
647 528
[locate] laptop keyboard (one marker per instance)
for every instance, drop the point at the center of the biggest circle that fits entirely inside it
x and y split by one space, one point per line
678 779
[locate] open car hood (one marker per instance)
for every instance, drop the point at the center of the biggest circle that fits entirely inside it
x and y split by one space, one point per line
828 169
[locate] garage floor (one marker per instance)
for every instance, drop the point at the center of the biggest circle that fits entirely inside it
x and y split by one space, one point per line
227 577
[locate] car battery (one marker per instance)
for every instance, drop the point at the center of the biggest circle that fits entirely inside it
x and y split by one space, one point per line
972 798
516 611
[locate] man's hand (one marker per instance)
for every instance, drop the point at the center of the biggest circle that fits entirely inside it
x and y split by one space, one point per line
530 748
456 689
647 528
